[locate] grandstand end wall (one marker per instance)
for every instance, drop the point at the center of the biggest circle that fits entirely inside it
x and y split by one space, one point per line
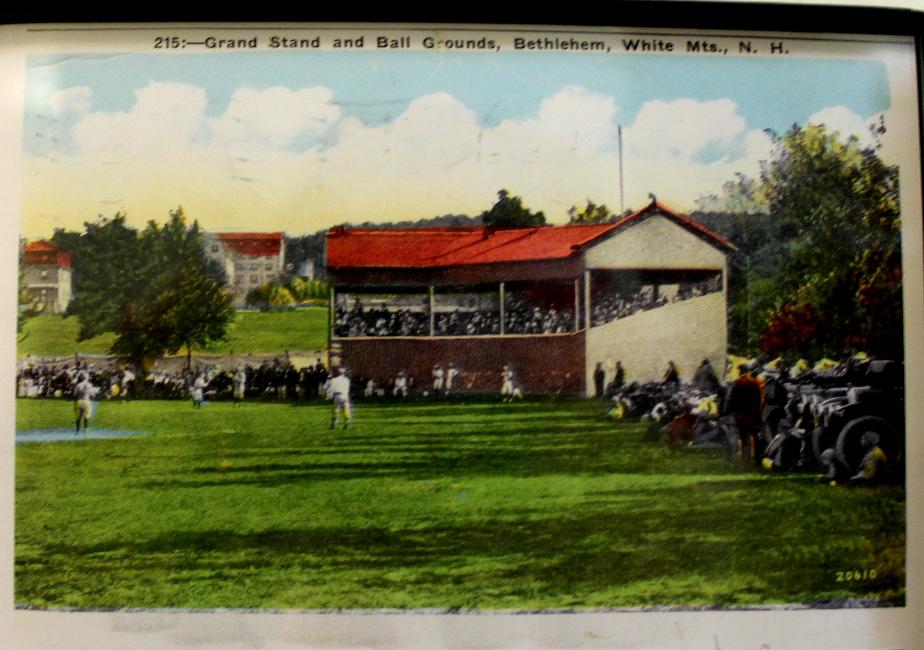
683 332
544 364
656 243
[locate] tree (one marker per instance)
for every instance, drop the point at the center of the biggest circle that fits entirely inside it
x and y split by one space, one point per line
156 290
591 213
270 295
108 271
834 208
741 195
509 212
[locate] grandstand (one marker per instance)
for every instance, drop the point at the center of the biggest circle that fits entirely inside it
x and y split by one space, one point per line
552 301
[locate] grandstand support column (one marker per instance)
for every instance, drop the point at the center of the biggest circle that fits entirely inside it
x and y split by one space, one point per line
330 315
503 299
587 300
577 304
432 311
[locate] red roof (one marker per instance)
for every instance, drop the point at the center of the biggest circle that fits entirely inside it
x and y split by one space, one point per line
441 247
253 244
43 252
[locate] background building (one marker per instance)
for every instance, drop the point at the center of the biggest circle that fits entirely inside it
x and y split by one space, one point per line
249 259
551 302
47 275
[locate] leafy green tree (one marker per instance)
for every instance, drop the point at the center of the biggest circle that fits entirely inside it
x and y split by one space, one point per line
590 213
509 212
157 290
835 212
270 295
742 195
108 270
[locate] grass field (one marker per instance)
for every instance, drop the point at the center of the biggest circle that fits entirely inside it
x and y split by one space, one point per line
251 331
482 505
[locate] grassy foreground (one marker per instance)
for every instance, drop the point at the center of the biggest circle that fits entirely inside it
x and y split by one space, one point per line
487 506
251 331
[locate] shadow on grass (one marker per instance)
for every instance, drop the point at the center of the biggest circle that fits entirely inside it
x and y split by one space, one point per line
677 553
545 455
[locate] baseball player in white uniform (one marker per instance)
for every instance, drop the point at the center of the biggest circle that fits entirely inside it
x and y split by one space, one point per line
83 405
338 390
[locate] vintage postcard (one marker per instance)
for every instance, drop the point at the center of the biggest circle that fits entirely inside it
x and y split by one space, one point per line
407 336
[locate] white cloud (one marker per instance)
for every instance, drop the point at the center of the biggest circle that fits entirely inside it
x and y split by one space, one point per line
846 123
164 116
683 127
277 115
573 122
76 99
433 158
663 143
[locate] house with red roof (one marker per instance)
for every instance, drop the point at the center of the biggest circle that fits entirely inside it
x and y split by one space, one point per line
555 304
249 259
47 275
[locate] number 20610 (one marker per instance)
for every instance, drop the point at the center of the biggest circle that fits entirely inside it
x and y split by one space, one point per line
854 576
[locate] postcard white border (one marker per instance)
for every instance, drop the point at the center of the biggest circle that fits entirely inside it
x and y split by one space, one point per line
770 629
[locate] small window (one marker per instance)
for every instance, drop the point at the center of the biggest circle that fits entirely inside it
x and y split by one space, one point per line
269 267
253 279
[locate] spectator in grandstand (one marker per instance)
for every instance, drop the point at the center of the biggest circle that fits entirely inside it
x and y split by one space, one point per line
439 376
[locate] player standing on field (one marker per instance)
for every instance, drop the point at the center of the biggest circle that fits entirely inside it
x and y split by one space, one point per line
83 406
508 389
338 390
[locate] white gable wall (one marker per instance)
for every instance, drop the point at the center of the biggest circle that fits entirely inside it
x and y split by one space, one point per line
655 243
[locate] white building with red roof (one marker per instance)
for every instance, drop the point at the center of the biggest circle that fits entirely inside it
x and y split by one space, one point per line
551 302
47 275
249 259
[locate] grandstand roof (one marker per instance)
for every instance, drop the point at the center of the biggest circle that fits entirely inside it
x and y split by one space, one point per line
443 247
252 244
43 252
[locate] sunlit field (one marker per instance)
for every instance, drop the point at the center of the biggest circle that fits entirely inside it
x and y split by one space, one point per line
488 506
255 332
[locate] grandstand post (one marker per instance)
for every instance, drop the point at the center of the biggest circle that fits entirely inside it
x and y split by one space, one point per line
577 305
330 315
502 300
432 311
587 300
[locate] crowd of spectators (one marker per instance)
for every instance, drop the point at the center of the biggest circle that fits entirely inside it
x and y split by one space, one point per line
380 321
619 305
278 379
521 317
